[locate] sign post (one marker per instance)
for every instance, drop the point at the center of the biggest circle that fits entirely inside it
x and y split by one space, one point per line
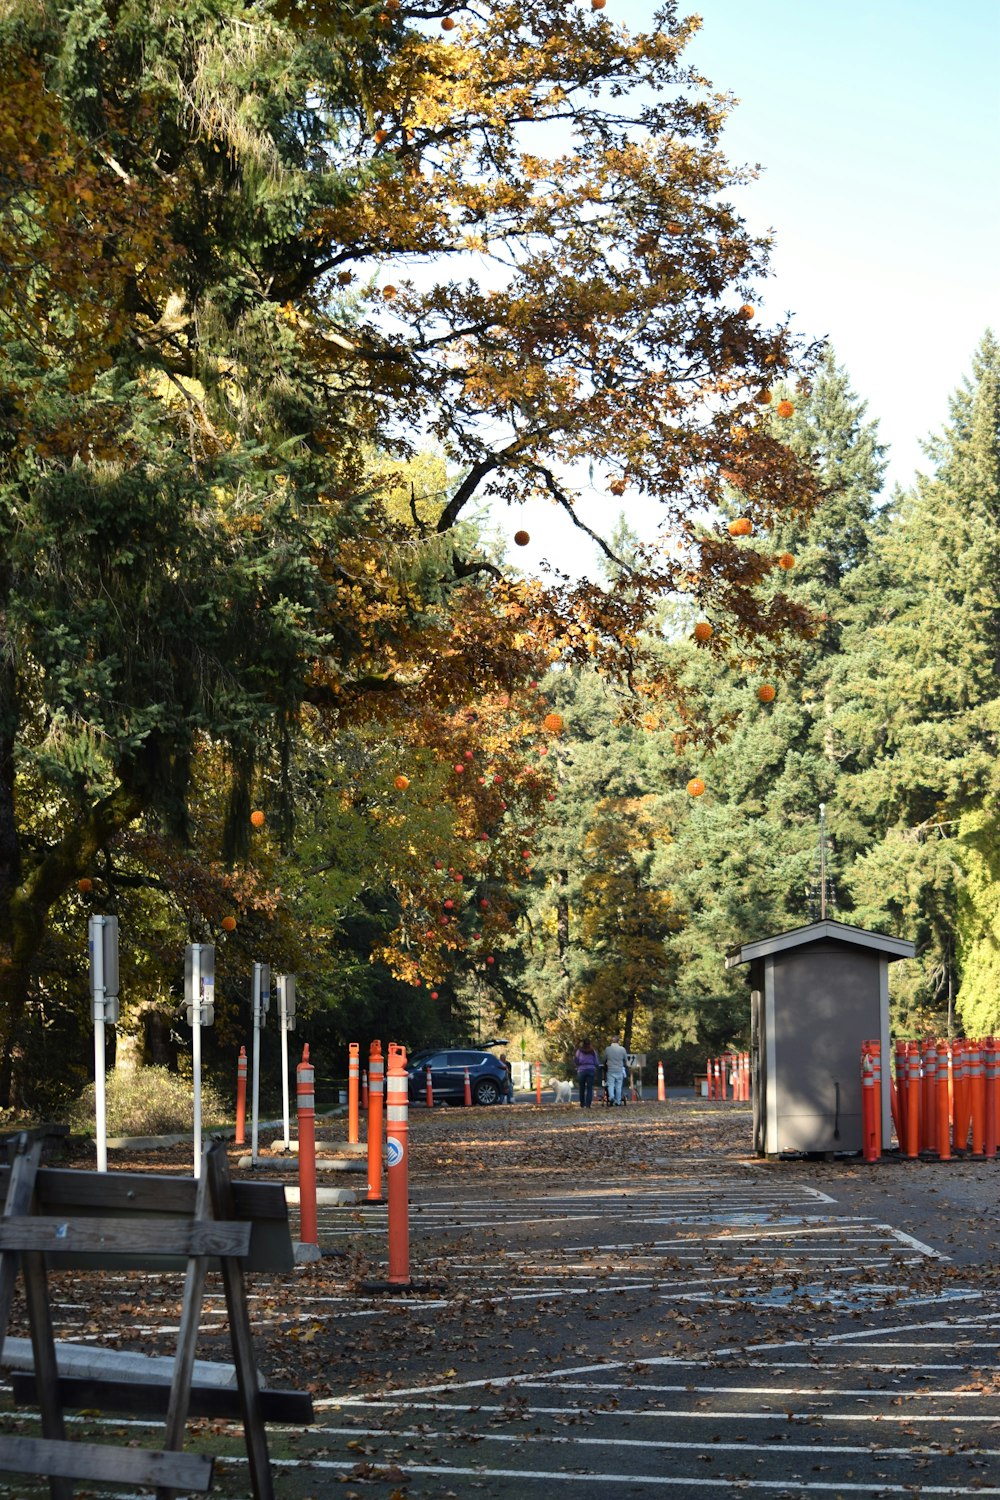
285 984
261 1000
199 997
102 934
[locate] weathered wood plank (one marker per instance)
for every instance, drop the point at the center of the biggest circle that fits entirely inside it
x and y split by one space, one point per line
124 1236
216 1168
98 1195
143 1466
151 1397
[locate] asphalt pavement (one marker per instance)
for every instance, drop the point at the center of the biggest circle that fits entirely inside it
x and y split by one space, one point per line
628 1302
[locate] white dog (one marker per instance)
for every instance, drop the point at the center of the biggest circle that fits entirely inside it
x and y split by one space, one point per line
564 1092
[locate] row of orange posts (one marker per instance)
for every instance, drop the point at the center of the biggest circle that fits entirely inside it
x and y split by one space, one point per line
728 1077
945 1098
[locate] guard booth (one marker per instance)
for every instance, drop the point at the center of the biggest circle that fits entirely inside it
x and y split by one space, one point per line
816 993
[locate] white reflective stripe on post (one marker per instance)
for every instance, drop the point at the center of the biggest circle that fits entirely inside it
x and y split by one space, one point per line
396 1114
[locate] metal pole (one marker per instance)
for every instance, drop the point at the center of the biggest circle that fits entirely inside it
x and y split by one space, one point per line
822 861
256 1062
196 1053
283 1024
100 1096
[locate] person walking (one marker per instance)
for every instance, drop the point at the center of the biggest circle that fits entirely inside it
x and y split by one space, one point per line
587 1063
508 1096
615 1058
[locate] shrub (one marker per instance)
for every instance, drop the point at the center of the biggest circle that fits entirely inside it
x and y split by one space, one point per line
149 1101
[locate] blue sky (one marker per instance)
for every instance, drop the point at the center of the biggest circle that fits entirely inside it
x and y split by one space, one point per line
877 129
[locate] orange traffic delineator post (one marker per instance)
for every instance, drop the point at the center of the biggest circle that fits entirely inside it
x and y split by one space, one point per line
960 1110
943 1120
364 1088
661 1088
977 1098
901 1095
990 1115
397 1172
912 1101
241 1098
868 1145
429 1087
928 1098
376 1069
871 1100
353 1081
467 1100
538 1082
305 1079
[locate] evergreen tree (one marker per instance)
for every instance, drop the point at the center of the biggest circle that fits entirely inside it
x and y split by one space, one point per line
918 708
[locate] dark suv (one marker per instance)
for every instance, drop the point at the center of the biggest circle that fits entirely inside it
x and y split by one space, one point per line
487 1076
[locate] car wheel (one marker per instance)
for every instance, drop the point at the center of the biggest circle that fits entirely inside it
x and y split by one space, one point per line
487 1091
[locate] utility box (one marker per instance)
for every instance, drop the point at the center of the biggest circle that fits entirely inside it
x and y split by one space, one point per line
816 993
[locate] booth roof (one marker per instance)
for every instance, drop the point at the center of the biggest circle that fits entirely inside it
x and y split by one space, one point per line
817 932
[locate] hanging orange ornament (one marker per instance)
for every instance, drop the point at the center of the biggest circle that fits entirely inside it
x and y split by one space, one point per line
742 526
746 311
401 783
84 884
228 924
257 818
766 692
786 561
522 538
695 786
703 631
554 723
785 408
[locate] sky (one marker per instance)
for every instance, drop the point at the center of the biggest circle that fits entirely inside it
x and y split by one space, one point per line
876 126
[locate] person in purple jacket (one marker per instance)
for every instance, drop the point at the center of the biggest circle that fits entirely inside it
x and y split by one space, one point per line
587 1062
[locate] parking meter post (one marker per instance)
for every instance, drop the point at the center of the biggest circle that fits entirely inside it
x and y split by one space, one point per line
96 941
241 1097
283 1028
397 1132
376 1084
429 1088
353 1081
538 1082
196 1077
306 1106
661 1089
467 1101
260 1000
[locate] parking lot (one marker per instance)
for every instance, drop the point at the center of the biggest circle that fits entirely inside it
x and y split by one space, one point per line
623 1299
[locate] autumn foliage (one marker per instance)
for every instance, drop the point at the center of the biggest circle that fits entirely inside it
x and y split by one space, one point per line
254 263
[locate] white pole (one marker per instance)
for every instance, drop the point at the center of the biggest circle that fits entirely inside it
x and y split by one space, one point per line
196 1054
100 1095
283 1023
255 993
100 1101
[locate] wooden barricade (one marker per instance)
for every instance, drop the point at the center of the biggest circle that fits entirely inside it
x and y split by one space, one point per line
65 1220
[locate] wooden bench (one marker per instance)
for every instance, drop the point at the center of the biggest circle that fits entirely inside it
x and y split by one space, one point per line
64 1220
